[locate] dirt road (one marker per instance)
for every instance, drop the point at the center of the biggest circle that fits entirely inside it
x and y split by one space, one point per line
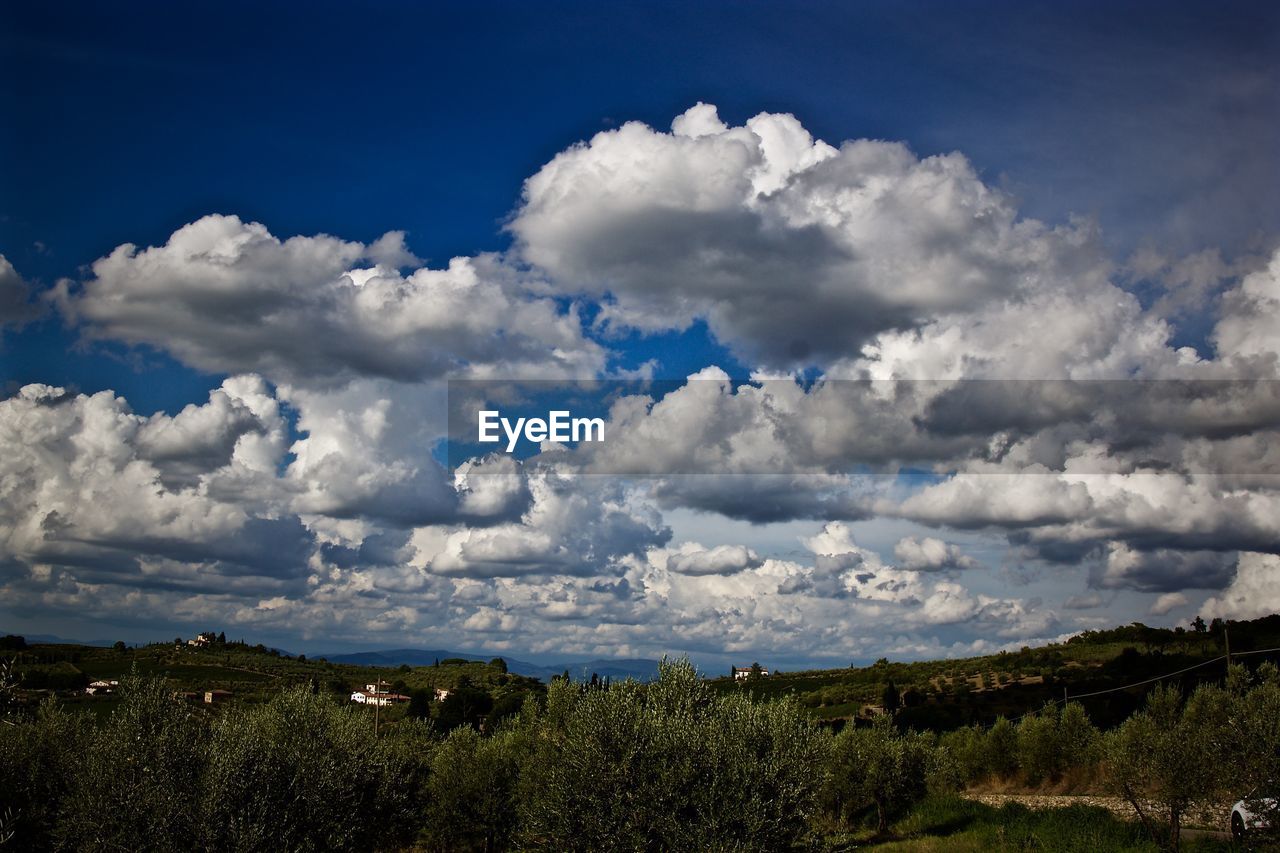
1215 821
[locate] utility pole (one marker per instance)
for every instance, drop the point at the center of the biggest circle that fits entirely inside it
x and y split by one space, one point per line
1226 636
377 707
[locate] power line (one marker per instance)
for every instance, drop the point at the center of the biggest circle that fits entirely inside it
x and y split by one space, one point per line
1065 699
1146 681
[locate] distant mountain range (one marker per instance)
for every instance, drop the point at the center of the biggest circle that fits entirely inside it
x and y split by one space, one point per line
641 670
56 640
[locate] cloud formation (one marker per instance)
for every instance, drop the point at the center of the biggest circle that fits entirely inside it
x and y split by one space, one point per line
308 494
798 252
16 307
226 296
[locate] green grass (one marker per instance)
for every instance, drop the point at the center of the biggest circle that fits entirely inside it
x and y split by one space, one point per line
185 673
949 823
831 712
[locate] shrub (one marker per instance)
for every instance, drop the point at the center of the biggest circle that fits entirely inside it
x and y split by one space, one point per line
301 773
1040 753
1002 748
967 750
876 767
132 788
39 756
1159 762
668 766
471 802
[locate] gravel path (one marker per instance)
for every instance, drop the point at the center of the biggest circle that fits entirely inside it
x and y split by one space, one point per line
1217 818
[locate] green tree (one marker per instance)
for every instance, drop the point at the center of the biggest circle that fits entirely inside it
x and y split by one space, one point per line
877 767
471 803
464 706
1251 748
1078 738
419 704
39 756
966 746
301 773
889 697
1039 752
133 787
667 766
1054 741
504 707
1160 761
1002 748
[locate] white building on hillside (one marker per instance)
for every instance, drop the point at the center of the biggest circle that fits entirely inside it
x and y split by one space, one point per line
378 693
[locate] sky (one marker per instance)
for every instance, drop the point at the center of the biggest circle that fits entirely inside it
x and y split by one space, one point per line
965 316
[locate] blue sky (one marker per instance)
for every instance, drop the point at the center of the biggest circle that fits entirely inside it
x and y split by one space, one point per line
130 122
1151 127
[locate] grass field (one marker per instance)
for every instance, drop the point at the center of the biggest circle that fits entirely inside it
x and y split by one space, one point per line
186 673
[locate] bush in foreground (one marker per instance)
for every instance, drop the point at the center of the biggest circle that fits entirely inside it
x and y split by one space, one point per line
877 767
301 773
668 767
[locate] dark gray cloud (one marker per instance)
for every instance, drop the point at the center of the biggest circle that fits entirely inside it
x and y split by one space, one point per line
16 307
1163 569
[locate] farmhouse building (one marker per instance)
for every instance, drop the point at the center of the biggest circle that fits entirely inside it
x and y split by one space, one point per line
378 693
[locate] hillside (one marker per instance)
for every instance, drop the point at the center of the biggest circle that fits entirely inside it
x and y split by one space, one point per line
938 695
254 674
941 695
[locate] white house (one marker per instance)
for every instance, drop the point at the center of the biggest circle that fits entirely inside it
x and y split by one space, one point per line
378 693
369 697
741 672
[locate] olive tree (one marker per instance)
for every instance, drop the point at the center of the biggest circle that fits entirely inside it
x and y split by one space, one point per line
1161 761
1055 740
1001 745
471 791
302 773
133 786
1253 751
668 766
876 766
39 755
